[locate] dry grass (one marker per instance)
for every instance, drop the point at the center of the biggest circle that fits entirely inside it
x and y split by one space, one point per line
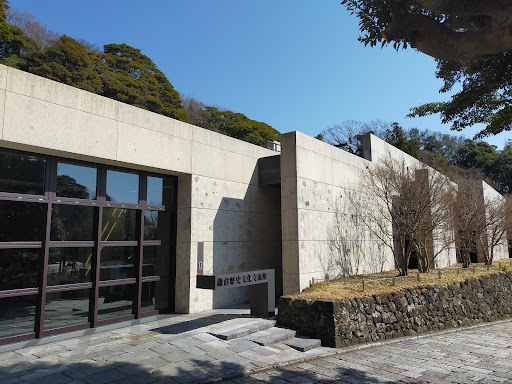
350 287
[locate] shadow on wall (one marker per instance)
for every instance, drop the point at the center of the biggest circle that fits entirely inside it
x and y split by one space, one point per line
350 249
246 237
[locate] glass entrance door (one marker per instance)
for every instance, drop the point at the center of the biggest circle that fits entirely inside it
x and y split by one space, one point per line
82 245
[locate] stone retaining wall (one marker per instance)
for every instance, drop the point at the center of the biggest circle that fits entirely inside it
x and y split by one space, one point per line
404 313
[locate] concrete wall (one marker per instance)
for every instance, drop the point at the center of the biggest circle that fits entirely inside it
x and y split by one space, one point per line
219 201
323 235
492 198
376 150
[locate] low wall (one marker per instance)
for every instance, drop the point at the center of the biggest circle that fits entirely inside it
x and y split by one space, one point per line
405 313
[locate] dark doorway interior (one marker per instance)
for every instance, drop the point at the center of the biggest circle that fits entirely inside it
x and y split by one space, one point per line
82 245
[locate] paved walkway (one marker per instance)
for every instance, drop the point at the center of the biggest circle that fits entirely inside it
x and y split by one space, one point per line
180 349
476 355
173 349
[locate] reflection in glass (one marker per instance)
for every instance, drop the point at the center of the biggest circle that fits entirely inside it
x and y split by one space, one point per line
118 224
66 308
69 266
115 301
72 223
22 221
21 173
151 225
117 263
122 187
157 225
156 261
155 190
76 181
149 267
18 315
19 268
155 295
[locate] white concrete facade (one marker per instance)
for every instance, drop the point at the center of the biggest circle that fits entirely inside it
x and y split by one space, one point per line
495 237
222 211
219 201
323 237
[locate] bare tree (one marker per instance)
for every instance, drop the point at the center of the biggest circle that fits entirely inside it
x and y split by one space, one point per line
345 134
468 215
495 227
407 208
39 33
198 114
435 233
508 222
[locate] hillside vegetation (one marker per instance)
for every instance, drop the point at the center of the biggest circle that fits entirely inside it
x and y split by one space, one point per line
118 71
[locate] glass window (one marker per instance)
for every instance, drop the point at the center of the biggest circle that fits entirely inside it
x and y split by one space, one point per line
155 190
117 263
66 308
20 221
22 173
115 301
18 315
19 268
119 224
69 266
122 187
155 261
76 181
155 295
157 225
72 223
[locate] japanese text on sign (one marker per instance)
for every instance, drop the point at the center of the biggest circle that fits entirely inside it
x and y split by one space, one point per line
242 279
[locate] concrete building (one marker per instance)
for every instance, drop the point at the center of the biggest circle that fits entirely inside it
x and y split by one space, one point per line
109 211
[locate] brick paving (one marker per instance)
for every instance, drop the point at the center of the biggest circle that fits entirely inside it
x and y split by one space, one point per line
180 349
476 355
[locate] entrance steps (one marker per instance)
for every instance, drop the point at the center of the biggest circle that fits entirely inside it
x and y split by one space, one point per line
238 330
264 333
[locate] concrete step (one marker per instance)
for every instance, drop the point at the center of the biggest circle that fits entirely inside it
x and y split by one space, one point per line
271 336
237 331
302 344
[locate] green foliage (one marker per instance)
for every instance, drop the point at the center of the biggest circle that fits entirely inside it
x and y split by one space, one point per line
397 137
476 155
12 41
120 72
4 4
501 170
131 77
485 96
240 126
376 15
67 61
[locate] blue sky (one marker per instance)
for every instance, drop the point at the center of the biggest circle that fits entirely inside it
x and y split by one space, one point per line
294 64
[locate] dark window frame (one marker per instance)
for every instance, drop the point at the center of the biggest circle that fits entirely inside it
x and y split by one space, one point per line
50 198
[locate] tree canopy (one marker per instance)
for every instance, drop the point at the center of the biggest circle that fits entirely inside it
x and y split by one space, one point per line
131 77
446 30
472 42
119 72
485 96
229 123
